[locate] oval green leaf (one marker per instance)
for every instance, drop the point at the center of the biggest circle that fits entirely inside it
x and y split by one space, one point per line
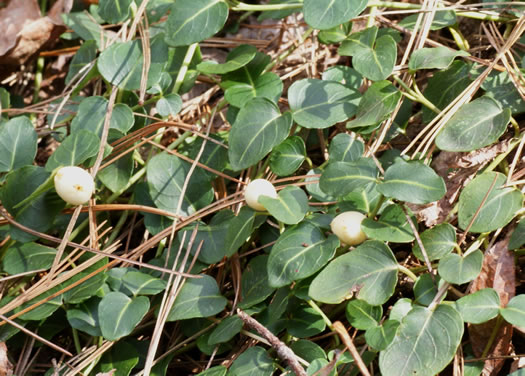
18 141
139 283
362 315
288 156
377 63
21 258
392 226
237 58
252 362
514 312
289 207
84 317
433 58
370 269
479 307
226 330
325 14
114 11
255 287
341 178
74 150
456 269
345 148
438 241
381 336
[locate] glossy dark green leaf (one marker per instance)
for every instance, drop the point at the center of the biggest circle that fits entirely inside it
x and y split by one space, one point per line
86 289
166 176
198 297
419 346
371 269
39 215
226 330
444 86
498 209
154 223
391 226
344 75
313 186
288 156
84 317
321 104
289 207
255 287
121 63
122 358
239 229
300 252
377 63
325 14
214 155
514 312
74 150
438 241
341 178
43 310
267 85
501 88
258 128
237 58
192 21
434 58
171 104
119 314
116 176
377 103
114 11
142 284
92 113
426 288
381 336
307 350
479 307
252 362
305 322
412 182
517 239
214 371
358 42
476 124
17 143
21 258
362 315
345 148
456 269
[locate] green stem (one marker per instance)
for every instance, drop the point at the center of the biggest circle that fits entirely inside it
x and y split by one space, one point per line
184 67
44 187
493 335
460 40
374 212
316 308
407 272
40 62
76 340
266 7
116 231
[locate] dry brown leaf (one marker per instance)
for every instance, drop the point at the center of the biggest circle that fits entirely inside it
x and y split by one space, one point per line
25 32
6 368
497 272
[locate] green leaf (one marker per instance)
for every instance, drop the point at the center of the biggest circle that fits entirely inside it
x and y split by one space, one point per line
499 208
476 124
358 42
18 141
377 63
192 21
479 307
362 315
400 309
335 34
226 330
371 269
419 346
444 86
252 362
280 13
501 88
239 229
517 239
92 113
74 150
289 207
442 19
377 103
44 310
325 14
171 104
121 358
85 55
21 258
119 314
412 182
305 322
344 75
345 148
84 317
5 101
426 288
268 86
321 104
288 156
237 58
254 282
514 312
142 284
114 11
116 176
87 28
307 350
300 252
39 215
438 241
214 155
86 289
121 63
166 176
341 178
433 58
198 297
392 226
214 371
381 336
258 128
456 269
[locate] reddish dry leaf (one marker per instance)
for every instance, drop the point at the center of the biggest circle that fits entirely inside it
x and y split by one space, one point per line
24 31
497 272
6 368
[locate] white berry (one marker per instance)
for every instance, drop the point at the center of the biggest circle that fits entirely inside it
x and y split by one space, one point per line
347 227
257 188
74 185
